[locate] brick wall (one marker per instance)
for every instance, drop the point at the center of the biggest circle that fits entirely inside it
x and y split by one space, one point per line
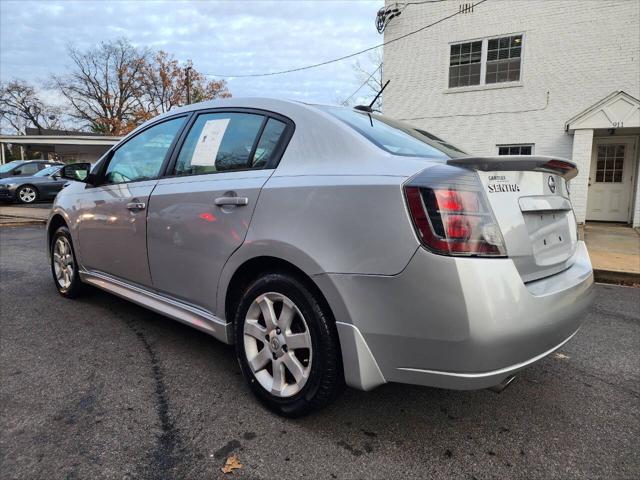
577 51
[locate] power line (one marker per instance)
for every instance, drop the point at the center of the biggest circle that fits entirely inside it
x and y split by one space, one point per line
351 55
363 84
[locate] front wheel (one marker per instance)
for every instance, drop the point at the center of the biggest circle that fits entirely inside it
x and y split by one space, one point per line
287 345
27 194
64 266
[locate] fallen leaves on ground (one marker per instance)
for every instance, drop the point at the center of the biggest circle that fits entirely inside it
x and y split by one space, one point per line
231 464
561 355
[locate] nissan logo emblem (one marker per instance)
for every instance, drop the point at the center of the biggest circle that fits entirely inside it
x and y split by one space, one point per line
552 184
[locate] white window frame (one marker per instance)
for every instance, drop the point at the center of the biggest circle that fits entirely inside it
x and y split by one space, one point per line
532 145
483 64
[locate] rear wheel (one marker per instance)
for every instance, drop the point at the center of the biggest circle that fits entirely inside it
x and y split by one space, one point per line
64 266
27 194
287 345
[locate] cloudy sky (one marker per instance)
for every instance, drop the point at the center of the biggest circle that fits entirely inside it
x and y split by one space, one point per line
221 37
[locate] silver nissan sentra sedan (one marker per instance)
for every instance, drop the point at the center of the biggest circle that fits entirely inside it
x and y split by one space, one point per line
330 245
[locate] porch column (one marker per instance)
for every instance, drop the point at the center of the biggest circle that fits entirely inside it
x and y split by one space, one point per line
582 146
2 158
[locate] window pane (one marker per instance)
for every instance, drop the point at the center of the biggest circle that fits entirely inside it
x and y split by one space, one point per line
493 44
28 169
504 42
268 143
599 176
468 56
515 149
453 76
219 142
608 176
141 157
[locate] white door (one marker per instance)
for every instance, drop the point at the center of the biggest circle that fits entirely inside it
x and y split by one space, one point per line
610 180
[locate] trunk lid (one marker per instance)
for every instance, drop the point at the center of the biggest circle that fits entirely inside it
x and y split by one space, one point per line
530 201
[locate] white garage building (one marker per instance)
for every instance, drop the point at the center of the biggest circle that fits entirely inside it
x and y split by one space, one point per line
555 78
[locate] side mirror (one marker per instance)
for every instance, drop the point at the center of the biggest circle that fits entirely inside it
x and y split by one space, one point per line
78 172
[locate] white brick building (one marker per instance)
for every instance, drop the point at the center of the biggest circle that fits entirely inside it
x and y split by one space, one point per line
548 77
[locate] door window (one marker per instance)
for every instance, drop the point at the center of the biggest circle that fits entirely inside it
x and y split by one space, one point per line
220 142
268 143
27 169
141 157
610 163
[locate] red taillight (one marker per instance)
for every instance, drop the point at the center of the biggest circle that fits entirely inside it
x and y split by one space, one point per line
454 222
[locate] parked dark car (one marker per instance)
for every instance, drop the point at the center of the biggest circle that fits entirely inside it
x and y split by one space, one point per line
43 185
25 168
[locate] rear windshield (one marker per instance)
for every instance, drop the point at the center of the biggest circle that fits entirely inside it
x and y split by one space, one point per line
395 137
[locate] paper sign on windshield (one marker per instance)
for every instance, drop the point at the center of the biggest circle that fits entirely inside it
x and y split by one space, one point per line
209 142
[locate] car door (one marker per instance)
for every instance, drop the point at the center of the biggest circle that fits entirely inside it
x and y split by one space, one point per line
112 229
48 182
200 213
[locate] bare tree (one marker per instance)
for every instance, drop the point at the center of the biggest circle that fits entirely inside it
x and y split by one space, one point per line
21 107
104 86
369 79
164 85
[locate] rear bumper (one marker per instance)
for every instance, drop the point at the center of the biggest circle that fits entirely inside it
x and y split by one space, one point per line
456 323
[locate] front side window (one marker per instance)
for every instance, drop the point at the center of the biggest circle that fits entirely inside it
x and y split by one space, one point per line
219 142
519 149
394 137
26 169
141 157
486 62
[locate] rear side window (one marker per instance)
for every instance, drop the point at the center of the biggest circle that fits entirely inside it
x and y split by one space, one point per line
219 142
395 137
269 142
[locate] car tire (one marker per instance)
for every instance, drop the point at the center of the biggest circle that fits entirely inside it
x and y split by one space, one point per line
64 266
289 380
27 194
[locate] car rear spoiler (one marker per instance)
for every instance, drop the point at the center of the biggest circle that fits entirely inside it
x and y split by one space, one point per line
560 166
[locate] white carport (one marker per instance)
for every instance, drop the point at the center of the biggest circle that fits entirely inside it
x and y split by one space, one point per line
70 147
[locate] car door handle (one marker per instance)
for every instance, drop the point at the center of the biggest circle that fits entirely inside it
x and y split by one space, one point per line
238 201
136 206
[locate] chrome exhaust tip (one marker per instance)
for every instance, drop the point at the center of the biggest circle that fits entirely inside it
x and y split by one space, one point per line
502 385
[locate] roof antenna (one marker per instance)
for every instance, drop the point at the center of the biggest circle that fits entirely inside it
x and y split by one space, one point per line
367 108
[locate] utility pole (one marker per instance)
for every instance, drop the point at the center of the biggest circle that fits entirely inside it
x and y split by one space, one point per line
187 71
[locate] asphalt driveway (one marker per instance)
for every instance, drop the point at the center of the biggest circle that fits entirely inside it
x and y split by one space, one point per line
100 388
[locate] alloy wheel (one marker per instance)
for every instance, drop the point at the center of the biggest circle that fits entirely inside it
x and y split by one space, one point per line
277 344
63 264
27 194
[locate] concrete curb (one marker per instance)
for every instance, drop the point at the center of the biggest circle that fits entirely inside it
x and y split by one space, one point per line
618 278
